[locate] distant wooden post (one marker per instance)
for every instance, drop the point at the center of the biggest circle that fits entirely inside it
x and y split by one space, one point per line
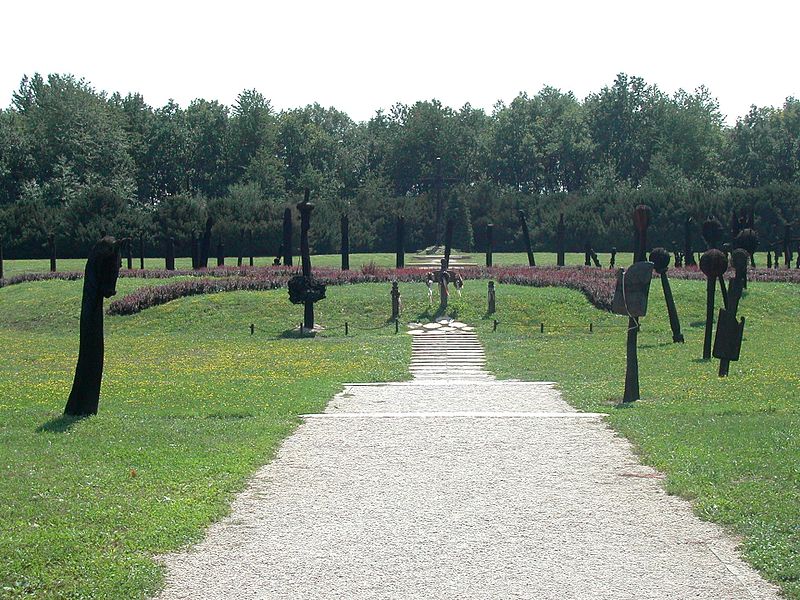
305 207
560 254
287 237
526 237
345 243
489 243
51 244
448 244
641 221
395 301
195 251
400 248
491 299
169 262
129 254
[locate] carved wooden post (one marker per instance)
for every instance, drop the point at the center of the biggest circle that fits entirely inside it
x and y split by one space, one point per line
395 301
129 253
491 299
630 299
660 259
688 252
560 254
489 243
220 254
305 208
287 237
169 262
632 392
51 244
205 245
400 244
641 220
448 243
195 251
345 249
444 292
526 238
713 263
739 259
100 279
712 232
787 245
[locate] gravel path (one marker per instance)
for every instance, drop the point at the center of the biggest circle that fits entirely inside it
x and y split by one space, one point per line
456 488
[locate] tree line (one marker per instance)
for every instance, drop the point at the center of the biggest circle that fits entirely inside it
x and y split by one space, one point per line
76 162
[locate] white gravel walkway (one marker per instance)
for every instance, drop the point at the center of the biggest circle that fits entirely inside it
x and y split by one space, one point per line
459 488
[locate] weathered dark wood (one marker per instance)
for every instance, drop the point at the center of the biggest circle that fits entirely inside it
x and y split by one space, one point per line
526 237
100 279
560 251
491 299
395 293
674 322
631 393
711 287
641 221
787 245
660 259
489 243
205 244
169 260
448 243
305 208
713 264
195 251
345 248
400 244
51 244
688 251
287 237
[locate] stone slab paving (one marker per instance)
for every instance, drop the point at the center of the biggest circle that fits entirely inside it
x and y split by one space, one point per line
459 489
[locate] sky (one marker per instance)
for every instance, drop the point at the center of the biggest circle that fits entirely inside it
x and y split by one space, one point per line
361 56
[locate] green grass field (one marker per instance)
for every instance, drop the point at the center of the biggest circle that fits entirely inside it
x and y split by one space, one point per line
16 267
192 405
732 445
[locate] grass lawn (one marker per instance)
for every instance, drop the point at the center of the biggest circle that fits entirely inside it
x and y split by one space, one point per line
16 267
731 445
192 404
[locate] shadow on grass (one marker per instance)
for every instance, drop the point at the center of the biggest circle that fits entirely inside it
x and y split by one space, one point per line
61 424
658 345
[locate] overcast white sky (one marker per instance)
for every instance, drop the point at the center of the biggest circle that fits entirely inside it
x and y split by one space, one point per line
362 56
